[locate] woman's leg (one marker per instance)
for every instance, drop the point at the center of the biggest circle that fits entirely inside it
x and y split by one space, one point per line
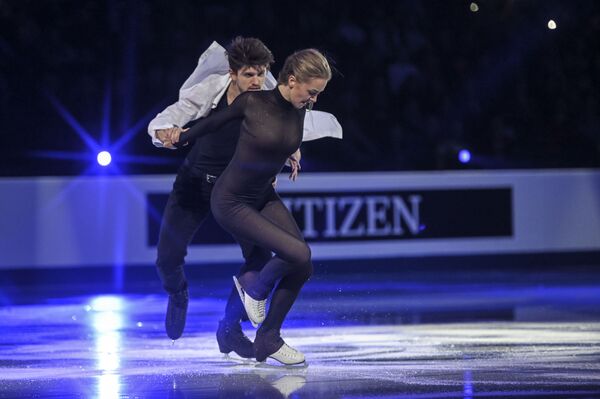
272 228
291 252
292 278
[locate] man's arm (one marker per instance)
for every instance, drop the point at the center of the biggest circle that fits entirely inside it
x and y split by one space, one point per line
196 95
194 102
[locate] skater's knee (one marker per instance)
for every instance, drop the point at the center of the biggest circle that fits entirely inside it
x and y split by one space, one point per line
303 255
302 272
171 251
171 261
304 267
170 258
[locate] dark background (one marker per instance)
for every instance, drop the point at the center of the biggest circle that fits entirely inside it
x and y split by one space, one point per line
416 80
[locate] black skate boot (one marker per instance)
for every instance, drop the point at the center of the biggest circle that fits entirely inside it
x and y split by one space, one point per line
230 337
177 313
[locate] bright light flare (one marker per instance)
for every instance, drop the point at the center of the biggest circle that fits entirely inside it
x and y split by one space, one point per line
104 158
106 303
551 24
464 156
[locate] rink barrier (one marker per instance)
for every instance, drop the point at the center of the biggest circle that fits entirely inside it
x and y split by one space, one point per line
93 221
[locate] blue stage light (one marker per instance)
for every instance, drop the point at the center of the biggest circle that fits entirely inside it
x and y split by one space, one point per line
104 158
464 156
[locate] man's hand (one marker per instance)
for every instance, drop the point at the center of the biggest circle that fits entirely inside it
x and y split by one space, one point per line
295 164
169 136
164 135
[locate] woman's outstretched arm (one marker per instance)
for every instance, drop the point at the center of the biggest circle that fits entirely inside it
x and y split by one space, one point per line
214 121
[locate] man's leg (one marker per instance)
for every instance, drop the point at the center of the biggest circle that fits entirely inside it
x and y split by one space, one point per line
186 209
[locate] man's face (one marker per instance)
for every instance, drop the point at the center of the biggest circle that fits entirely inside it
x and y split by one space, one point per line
249 77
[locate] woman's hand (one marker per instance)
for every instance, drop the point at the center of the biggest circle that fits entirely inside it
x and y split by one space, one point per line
294 160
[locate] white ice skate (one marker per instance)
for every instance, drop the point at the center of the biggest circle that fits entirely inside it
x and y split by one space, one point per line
254 308
288 356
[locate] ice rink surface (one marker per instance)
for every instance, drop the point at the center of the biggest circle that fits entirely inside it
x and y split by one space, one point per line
363 338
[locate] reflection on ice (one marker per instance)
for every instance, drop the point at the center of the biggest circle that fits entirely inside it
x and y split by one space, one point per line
106 303
468 385
107 351
107 321
108 386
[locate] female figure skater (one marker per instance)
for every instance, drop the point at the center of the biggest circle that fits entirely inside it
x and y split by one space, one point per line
245 204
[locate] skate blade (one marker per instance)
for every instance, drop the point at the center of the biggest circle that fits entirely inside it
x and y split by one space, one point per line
238 359
276 364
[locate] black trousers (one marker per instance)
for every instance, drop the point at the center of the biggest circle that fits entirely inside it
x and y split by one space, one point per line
187 208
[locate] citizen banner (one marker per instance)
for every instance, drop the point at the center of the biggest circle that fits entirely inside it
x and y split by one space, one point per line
380 215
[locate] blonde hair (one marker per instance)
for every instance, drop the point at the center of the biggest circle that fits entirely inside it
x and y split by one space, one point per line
304 65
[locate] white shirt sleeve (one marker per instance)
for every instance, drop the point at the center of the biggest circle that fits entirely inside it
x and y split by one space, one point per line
198 95
194 102
319 124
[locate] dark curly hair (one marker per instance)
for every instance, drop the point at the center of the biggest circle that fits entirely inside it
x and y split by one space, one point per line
248 51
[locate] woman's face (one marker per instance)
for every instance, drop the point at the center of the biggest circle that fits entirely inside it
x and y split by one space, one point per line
304 94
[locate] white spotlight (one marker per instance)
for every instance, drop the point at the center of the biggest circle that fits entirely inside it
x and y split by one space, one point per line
551 24
464 156
474 7
104 158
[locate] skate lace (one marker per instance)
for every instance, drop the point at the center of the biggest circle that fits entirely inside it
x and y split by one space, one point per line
258 307
289 352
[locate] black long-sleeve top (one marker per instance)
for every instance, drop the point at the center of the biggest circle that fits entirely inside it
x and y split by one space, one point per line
271 130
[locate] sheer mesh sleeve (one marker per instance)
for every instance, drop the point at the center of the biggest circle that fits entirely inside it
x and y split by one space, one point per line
213 122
